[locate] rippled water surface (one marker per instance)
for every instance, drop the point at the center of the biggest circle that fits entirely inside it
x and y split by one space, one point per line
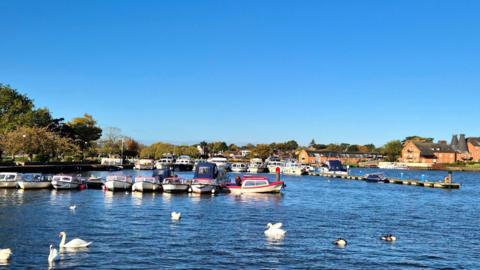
436 229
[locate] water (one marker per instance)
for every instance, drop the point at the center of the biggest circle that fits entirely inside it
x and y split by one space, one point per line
436 229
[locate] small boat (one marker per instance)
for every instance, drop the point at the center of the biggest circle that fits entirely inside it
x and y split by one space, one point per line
175 185
375 178
293 168
144 164
183 163
221 162
165 162
146 183
256 166
62 181
118 182
333 167
239 167
274 163
35 181
94 182
9 179
392 166
255 184
207 178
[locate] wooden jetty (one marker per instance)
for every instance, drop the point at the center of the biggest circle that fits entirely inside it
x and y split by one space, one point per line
446 184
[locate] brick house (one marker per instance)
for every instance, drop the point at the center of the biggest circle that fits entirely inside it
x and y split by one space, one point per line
423 152
306 156
473 145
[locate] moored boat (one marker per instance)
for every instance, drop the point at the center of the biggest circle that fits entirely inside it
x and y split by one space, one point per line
256 166
207 178
94 182
293 168
118 182
333 167
221 162
183 163
62 181
239 167
144 164
375 177
146 183
175 185
274 164
9 179
165 162
35 181
255 184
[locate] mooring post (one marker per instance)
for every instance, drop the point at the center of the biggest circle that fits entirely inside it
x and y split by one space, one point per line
277 171
449 178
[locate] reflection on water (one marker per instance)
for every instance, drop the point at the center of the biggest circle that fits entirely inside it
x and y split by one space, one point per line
135 230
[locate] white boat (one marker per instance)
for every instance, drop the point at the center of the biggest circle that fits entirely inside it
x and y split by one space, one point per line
274 164
146 183
239 167
293 168
164 163
118 182
175 184
255 184
144 164
9 179
183 163
221 162
208 178
333 167
392 166
62 181
35 181
256 166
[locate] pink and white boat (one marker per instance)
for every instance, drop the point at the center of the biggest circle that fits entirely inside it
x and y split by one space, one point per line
255 184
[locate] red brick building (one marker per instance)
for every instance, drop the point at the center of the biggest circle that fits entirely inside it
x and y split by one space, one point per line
423 152
313 157
473 145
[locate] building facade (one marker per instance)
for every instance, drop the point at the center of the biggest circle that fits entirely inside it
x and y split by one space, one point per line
423 152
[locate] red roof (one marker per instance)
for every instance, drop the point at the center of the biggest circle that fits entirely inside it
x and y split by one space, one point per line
254 177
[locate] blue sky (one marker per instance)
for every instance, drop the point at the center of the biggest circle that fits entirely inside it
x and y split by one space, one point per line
250 71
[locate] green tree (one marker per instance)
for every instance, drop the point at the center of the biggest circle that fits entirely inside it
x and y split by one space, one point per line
353 148
416 138
262 151
86 131
218 147
392 150
111 142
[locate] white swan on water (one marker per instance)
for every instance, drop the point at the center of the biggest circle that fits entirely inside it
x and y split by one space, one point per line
340 242
53 256
176 215
73 207
275 231
75 243
5 254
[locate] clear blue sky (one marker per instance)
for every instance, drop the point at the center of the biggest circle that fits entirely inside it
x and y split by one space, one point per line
250 71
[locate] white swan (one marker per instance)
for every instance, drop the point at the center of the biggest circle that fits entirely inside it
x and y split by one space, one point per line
389 238
53 256
340 242
75 243
5 254
176 215
73 207
274 231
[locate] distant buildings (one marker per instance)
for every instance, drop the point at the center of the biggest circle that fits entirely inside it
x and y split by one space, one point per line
460 149
306 156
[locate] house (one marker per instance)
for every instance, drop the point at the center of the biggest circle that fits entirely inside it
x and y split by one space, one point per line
312 157
473 146
425 152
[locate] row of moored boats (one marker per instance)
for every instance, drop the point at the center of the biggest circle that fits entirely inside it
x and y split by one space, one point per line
208 178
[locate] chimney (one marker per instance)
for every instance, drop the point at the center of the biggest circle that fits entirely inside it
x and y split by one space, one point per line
454 142
462 143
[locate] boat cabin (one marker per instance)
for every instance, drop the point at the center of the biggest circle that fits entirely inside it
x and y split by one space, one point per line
162 173
206 170
10 177
252 181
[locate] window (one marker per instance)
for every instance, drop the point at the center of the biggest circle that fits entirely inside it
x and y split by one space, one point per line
249 184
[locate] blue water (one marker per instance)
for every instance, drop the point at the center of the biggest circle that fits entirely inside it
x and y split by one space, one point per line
436 229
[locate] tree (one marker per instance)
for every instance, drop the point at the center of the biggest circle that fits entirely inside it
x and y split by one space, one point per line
312 143
416 138
85 130
132 148
111 142
217 147
392 150
353 148
263 151
36 141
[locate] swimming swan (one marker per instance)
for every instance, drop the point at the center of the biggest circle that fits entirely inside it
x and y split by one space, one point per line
53 256
389 238
5 254
75 243
340 242
274 231
73 207
176 215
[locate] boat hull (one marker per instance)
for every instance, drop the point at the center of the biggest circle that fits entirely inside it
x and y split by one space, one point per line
117 185
8 184
273 188
175 188
34 185
145 186
182 167
204 188
255 170
65 185
94 184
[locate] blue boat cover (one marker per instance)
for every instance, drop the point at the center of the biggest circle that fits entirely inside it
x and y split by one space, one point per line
335 165
162 173
206 170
